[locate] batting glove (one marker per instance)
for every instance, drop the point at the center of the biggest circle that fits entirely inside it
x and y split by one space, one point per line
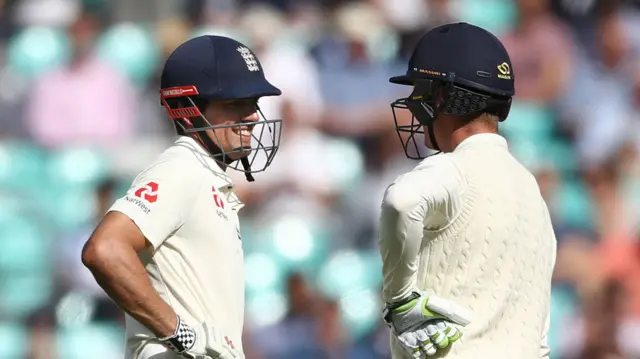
423 323
201 342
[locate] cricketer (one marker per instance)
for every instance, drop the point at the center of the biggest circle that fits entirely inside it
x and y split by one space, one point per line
466 239
169 252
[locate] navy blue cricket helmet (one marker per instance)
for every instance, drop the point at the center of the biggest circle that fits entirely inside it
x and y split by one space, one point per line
456 69
217 68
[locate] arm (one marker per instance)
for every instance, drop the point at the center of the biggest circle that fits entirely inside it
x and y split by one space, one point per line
435 186
112 256
155 206
401 229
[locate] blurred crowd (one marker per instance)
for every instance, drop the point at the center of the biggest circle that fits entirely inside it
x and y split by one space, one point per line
80 115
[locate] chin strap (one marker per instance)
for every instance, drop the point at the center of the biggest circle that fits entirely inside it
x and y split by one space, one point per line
432 137
211 147
247 167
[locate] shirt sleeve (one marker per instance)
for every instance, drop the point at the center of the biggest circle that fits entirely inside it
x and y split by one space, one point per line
433 188
159 200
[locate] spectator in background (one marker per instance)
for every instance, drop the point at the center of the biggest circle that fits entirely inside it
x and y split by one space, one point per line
41 325
413 18
347 55
85 103
7 20
151 120
604 330
294 184
72 275
600 105
540 49
302 333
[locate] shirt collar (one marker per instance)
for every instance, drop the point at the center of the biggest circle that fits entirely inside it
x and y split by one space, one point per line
483 139
223 180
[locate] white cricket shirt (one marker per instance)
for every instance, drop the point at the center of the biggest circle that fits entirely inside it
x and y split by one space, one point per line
471 226
185 206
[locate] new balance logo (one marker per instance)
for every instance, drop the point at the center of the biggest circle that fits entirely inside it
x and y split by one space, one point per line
249 59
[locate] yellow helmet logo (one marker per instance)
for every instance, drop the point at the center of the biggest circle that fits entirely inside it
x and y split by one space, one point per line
505 71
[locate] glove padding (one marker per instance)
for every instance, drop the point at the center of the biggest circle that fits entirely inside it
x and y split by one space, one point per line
427 339
201 342
423 323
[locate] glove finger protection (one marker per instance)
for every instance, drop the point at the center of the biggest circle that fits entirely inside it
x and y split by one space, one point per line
452 333
426 343
437 334
411 344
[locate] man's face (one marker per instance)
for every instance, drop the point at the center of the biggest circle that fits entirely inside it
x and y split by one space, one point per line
532 7
83 33
235 141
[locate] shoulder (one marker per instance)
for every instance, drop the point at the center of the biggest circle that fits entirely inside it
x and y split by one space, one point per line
177 166
435 169
435 179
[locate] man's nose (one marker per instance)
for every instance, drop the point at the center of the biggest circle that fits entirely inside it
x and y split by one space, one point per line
253 117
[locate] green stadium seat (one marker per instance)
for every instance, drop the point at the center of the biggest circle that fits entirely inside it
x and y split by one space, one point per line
347 163
545 152
347 271
23 248
530 153
631 192
77 167
373 265
73 174
563 306
562 155
574 205
132 49
266 307
263 272
296 244
22 166
35 50
360 312
95 341
70 208
23 293
497 16
18 336
528 120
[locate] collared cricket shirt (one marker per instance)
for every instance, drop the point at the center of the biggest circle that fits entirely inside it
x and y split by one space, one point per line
185 206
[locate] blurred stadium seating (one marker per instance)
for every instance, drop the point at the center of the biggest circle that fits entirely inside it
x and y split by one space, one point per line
314 215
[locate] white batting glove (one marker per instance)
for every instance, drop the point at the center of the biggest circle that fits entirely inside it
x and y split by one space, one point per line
201 342
423 323
427 339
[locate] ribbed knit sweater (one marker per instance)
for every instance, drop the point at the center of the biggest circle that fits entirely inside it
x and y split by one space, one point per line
471 226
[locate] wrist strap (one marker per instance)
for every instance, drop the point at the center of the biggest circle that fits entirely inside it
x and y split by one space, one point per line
182 339
400 303
387 311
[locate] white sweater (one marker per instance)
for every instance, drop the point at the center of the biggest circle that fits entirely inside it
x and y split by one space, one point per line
471 226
